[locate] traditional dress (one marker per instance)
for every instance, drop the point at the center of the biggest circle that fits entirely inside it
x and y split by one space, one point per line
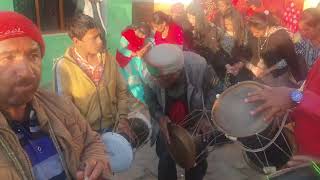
131 66
175 36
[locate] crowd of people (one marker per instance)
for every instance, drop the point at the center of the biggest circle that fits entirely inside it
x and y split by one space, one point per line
171 66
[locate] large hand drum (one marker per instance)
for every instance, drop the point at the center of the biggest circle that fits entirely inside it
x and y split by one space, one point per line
182 147
267 146
232 115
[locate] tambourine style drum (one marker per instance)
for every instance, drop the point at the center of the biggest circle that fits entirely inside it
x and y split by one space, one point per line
182 147
121 148
302 172
267 146
187 147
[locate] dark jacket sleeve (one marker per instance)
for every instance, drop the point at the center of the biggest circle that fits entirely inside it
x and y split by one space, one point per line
282 47
151 99
211 87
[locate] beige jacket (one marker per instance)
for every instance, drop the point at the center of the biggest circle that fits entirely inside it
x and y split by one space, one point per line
100 105
66 126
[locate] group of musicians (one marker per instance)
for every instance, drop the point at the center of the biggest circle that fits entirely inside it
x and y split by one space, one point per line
171 65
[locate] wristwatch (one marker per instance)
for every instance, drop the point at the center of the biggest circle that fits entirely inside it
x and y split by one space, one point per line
296 96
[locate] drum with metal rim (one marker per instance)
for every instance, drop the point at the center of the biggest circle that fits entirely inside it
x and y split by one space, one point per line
261 141
187 146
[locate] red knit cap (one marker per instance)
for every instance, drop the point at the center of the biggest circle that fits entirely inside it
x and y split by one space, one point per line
14 25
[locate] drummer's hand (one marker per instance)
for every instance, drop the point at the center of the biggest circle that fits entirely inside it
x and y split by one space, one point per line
123 127
204 129
163 123
94 170
276 101
301 159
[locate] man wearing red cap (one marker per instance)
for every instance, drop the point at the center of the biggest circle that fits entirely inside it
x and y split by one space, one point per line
42 136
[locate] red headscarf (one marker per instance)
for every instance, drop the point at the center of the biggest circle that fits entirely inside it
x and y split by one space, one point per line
14 25
175 36
134 44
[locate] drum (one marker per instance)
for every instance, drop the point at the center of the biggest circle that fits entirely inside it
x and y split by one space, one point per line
119 151
182 147
187 146
303 172
267 146
274 157
120 146
141 127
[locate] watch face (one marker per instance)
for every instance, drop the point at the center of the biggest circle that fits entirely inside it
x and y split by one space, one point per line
296 96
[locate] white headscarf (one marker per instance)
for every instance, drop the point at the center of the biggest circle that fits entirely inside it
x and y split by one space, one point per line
165 59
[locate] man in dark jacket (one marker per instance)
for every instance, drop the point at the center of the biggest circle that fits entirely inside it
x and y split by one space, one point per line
181 82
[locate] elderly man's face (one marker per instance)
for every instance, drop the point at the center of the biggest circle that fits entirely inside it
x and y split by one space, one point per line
20 70
168 80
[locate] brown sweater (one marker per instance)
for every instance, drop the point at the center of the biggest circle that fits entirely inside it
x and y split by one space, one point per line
75 140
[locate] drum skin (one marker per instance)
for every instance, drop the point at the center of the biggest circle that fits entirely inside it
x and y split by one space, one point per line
182 147
119 151
232 115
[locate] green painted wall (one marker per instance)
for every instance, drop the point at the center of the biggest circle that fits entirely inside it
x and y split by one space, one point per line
6 5
119 15
56 45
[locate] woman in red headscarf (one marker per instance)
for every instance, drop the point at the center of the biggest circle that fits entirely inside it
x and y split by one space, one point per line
167 32
131 50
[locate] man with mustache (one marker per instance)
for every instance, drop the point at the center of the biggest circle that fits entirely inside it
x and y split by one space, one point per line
42 136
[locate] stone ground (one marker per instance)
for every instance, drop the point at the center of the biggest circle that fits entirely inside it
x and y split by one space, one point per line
225 163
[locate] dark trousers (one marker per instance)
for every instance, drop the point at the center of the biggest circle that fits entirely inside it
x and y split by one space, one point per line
167 167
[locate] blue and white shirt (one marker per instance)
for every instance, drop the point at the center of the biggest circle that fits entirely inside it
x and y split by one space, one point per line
39 147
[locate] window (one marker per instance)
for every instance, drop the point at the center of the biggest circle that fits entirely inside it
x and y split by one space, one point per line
49 15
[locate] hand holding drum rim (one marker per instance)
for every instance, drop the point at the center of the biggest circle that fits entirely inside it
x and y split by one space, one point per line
276 101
